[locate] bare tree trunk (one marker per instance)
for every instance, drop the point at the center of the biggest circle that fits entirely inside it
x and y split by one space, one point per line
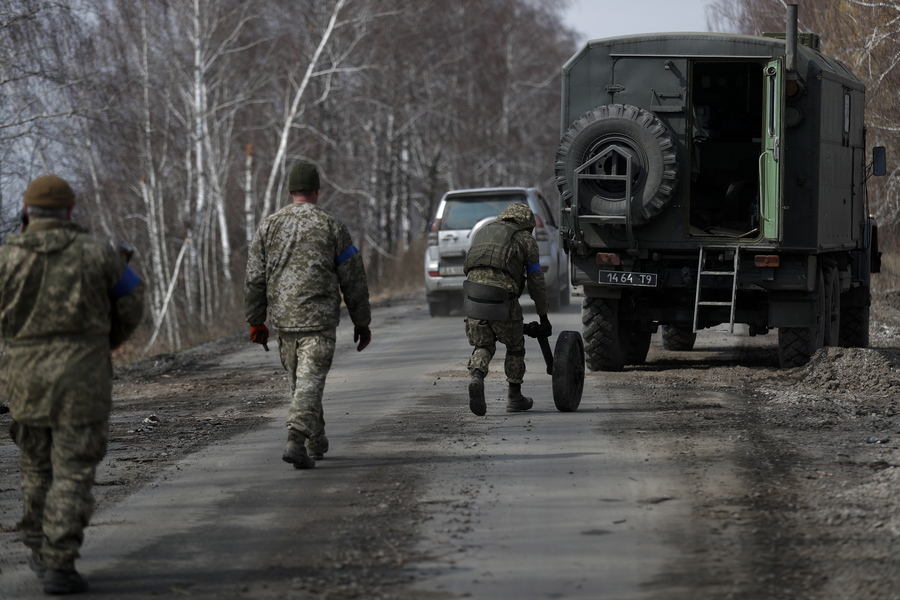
249 199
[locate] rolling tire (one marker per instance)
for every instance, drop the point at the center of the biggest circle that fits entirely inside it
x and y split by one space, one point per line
654 162
604 349
796 345
678 339
568 371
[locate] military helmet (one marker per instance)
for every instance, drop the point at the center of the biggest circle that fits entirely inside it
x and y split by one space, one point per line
49 191
303 177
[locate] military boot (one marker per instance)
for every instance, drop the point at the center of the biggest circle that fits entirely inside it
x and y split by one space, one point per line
515 401
317 448
476 393
295 452
36 564
64 581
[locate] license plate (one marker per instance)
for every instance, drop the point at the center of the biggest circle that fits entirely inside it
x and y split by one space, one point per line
628 278
450 271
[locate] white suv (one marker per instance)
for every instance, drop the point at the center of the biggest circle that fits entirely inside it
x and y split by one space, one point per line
460 214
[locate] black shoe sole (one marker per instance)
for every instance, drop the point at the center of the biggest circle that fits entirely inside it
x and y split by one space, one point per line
299 461
476 398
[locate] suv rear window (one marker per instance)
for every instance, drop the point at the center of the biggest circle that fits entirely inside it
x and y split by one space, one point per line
465 211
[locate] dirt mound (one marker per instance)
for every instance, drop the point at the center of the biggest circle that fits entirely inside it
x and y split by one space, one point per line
852 370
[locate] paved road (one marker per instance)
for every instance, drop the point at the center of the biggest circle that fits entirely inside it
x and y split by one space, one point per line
533 505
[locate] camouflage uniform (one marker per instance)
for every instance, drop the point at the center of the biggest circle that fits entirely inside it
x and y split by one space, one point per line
62 291
483 265
301 262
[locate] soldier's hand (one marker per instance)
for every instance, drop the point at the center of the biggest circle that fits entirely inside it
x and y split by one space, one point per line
547 329
259 334
362 335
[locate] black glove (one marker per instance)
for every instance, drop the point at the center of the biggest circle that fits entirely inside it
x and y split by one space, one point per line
546 328
362 335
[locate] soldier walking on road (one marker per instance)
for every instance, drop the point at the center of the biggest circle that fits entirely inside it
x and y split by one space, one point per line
301 262
502 256
66 298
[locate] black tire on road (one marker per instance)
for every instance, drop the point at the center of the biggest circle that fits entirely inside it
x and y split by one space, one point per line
604 348
637 132
678 339
796 345
568 371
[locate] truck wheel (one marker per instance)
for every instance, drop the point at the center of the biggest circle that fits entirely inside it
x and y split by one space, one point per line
832 321
678 339
854 327
604 350
797 344
640 134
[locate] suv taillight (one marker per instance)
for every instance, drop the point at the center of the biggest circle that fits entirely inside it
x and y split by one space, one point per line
540 234
433 232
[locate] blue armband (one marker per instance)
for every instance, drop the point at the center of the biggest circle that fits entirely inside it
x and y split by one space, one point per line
533 268
126 284
346 255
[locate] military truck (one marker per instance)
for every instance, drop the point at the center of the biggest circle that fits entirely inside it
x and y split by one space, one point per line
710 179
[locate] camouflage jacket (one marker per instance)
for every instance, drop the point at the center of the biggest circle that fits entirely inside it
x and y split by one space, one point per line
521 256
301 261
60 291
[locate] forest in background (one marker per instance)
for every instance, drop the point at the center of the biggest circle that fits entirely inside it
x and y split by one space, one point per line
176 121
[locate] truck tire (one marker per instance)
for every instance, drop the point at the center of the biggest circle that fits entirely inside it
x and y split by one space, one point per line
678 339
796 345
654 163
604 348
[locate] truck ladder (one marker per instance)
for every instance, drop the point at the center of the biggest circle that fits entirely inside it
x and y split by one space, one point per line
733 273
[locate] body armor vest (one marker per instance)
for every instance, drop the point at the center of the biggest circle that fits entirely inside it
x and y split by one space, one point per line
493 247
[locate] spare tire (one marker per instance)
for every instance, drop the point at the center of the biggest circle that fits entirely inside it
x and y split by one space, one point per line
637 132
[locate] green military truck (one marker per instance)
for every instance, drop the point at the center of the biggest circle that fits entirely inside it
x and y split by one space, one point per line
710 179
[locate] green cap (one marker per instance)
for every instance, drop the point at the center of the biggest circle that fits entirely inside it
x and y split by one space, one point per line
303 178
49 191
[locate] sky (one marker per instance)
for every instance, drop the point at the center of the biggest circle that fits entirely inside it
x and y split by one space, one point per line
607 18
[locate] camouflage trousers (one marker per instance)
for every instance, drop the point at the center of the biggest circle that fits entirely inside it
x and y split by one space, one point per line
307 358
58 467
484 335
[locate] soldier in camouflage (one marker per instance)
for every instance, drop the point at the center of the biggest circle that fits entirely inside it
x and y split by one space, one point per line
505 254
301 262
66 298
